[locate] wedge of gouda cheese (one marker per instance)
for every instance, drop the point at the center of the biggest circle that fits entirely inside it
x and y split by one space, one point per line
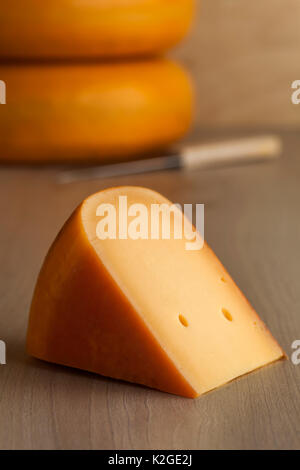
145 310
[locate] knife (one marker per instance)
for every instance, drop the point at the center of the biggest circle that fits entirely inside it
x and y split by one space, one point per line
202 156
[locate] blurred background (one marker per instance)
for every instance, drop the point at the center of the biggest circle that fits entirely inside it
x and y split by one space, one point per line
244 56
78 88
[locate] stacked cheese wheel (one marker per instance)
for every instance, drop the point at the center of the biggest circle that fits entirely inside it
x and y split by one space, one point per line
91 28
76 112
64 103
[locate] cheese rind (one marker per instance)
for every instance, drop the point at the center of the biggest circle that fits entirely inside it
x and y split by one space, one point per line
93 112
60 29
145 311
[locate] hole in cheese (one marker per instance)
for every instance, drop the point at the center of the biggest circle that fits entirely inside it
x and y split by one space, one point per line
183 320
227 314
223 279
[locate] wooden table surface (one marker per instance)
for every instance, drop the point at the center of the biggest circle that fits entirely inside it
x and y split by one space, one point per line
252 223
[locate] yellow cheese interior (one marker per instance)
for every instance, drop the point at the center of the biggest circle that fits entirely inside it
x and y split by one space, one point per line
186 299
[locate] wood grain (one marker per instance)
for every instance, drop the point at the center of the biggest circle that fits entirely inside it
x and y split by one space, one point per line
252 223
244 57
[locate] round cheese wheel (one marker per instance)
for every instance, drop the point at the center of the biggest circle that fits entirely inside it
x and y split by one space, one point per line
91 28
93 112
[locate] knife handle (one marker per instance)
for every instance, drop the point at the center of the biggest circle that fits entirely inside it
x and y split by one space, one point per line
233 151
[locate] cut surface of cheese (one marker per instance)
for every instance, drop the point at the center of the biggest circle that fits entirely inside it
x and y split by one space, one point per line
91 28
97 112
143 310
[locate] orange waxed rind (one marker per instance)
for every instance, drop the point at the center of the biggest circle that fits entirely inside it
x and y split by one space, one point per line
93 112
59 29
